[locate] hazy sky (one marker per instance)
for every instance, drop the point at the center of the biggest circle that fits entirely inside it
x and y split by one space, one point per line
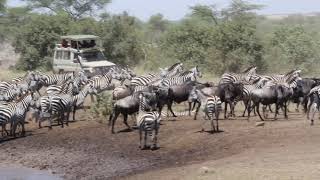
176 9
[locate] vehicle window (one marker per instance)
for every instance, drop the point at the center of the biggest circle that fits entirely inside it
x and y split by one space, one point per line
58 54
93 56
66 55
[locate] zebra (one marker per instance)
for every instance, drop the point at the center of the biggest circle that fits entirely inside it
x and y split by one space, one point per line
13 113
234 77
19 114
290 78
69 87
11 94
56 78
148 122
65 88
150 78
186 76
174 70
211 106
63 103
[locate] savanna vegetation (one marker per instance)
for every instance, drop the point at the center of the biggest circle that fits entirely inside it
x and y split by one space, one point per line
218 40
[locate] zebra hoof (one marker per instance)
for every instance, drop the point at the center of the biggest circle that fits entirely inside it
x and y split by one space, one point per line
155 147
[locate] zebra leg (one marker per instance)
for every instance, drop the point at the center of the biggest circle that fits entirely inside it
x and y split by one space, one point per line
74 113
217 119
155 138
313 110
140 137
213 129
145 139
270 108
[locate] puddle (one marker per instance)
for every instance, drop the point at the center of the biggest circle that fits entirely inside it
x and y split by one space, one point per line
21 173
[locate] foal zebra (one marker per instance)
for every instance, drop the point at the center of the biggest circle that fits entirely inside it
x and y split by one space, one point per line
211 106
148 122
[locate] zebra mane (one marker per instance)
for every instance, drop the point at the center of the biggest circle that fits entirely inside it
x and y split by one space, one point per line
173 66
249 69
185 73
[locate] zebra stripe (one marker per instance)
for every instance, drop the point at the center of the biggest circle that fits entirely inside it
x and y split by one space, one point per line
187 76
52 79
11 109
234 77
148 122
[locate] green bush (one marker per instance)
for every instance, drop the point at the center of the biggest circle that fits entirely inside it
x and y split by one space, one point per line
102 107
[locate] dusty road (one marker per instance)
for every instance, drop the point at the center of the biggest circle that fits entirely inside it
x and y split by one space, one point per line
282 149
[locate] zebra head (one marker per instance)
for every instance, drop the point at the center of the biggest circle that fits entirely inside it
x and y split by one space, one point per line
148 101
83 78
91 89
195 70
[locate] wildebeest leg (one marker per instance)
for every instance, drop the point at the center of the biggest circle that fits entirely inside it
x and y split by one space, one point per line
113 120
245 102
225 110
197 110
277 111
285 110
189 108
257 109
125 120
270 108
232 105
170 109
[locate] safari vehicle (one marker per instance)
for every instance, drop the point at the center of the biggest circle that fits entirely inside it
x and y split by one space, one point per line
80 52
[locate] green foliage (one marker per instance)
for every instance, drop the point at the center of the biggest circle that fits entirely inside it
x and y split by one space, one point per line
103 106
121 39
2 6
296 44
218 40
74 8
228 36
36 39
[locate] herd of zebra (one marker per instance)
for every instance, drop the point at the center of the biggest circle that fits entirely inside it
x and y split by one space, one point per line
143 97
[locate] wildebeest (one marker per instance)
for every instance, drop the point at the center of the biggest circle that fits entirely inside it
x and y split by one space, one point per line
277 94
228 92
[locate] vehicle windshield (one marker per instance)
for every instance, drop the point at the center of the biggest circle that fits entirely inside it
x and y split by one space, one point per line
92 56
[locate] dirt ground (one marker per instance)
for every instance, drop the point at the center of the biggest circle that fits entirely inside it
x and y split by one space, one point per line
282 149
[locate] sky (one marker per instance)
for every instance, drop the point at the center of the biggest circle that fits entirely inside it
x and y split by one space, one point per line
177 9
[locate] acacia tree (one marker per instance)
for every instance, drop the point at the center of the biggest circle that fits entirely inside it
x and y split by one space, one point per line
296 44
223 39
74 8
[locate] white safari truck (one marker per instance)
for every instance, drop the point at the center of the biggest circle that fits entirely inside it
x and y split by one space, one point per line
80 52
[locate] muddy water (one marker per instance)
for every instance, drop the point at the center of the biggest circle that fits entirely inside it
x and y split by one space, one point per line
21 173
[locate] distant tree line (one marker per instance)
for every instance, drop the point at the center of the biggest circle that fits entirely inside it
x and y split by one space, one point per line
218 40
